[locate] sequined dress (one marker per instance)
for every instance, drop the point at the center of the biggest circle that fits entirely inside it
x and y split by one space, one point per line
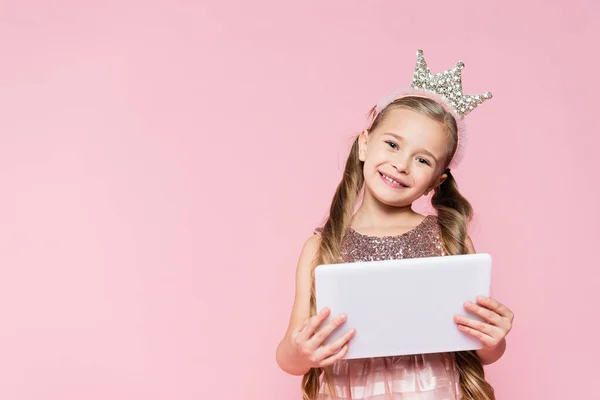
414 377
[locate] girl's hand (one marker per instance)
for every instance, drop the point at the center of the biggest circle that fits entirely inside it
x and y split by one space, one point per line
498 321
308 344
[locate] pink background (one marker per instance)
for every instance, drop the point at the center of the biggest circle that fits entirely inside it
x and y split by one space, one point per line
161 164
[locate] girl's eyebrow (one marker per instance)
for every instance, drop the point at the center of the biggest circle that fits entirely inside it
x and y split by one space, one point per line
400 138
394 135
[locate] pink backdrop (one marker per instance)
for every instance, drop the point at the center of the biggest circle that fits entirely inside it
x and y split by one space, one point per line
161 164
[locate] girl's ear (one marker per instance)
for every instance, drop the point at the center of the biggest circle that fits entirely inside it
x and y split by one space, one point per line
437 183
363 140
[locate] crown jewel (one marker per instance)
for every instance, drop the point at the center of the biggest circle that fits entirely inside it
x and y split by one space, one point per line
447 84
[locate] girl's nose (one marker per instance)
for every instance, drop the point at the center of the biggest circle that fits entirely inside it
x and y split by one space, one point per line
401 165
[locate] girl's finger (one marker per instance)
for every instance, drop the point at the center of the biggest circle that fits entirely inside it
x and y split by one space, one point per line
334 358
487 314
476 325
312 325
323 333
333 348
485 339
496 306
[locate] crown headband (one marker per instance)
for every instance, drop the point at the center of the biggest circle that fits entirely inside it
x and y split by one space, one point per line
444 88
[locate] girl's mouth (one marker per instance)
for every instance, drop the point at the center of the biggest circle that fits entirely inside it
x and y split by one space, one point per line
391 181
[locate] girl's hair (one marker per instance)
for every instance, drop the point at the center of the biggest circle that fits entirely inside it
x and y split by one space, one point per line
454 213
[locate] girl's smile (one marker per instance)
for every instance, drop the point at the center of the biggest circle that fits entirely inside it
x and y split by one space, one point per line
392 182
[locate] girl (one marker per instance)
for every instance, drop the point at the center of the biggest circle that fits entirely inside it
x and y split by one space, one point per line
413 139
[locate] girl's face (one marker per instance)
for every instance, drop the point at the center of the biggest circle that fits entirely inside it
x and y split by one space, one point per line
403 157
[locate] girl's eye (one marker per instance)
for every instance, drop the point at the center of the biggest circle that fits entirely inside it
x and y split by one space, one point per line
392 144
423 161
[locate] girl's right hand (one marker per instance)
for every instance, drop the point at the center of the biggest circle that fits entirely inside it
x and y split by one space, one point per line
308 342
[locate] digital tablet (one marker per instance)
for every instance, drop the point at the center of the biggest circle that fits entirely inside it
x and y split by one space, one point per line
402 307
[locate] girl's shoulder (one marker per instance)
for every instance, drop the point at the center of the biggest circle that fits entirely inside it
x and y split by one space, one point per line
430 226
431 220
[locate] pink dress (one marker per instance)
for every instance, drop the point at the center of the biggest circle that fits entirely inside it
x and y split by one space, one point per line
414 377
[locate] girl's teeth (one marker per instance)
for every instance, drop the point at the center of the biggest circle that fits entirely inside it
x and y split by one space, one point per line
391 180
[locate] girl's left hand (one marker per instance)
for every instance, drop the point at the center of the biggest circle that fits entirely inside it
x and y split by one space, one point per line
498 321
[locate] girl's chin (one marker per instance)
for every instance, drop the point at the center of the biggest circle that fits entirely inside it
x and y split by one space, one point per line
392 201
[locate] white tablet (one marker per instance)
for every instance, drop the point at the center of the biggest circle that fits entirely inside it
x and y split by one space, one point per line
401 307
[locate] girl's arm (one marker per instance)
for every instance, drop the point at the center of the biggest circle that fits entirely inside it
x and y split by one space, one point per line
493 334
287 357
302 345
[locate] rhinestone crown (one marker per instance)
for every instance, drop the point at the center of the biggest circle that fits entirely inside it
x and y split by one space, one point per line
447 84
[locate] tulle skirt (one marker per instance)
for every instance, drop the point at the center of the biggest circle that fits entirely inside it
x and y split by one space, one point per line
414 377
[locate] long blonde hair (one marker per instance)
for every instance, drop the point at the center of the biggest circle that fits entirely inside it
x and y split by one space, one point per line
454 213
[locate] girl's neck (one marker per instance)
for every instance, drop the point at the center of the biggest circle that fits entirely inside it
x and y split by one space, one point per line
372 215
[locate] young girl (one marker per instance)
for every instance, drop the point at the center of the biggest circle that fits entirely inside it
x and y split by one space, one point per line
414 138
